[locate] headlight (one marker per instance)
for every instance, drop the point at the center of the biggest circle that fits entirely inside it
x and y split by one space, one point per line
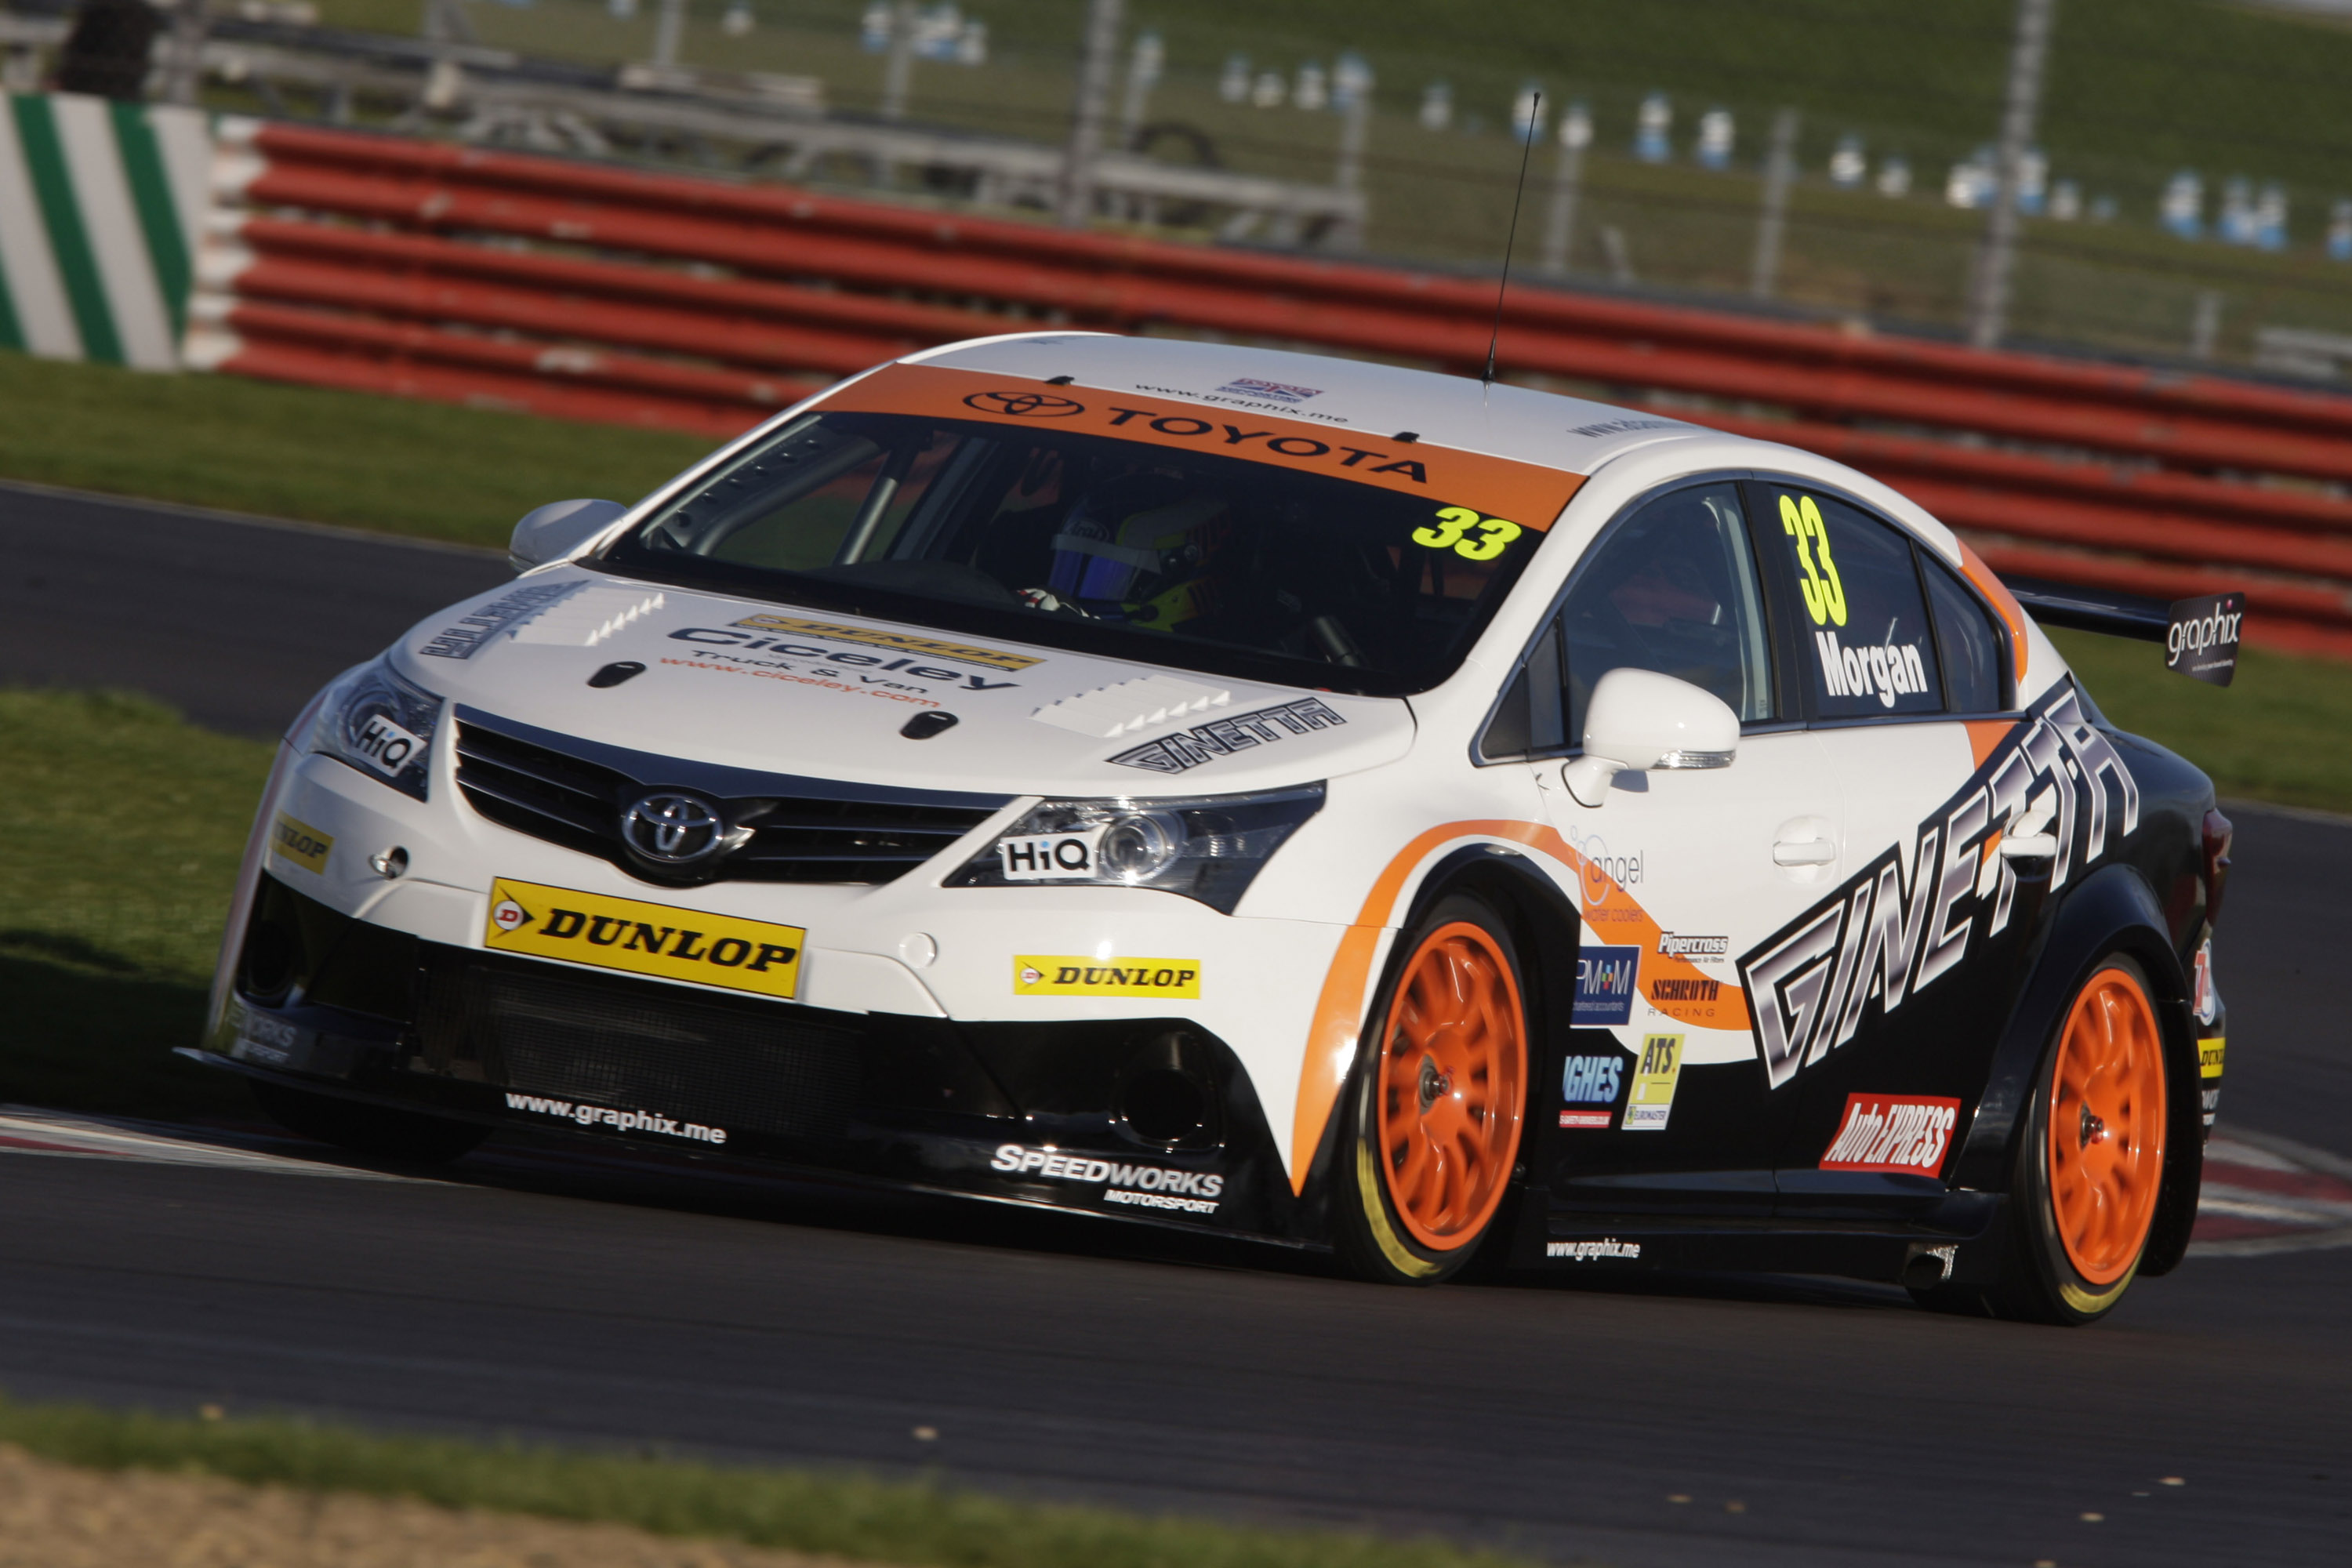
1207 848
381 724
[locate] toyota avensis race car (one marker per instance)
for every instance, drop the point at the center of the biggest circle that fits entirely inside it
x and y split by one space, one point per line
1315 801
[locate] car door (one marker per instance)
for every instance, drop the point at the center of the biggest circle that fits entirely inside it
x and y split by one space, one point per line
1655 1101
1879 1004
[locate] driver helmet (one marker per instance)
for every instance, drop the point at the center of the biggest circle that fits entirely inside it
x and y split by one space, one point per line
1142 547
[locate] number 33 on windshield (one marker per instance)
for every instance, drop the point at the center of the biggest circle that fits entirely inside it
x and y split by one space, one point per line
1455 521
1824 594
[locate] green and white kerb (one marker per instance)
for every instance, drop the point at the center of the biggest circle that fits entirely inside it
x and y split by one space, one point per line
100 206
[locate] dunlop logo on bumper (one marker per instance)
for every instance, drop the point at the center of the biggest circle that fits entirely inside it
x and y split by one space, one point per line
294 840
644 939
1036 974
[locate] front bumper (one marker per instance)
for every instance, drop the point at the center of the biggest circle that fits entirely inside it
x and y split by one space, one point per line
1150 1118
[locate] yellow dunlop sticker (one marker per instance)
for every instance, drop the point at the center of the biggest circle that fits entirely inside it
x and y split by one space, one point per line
896 642
2209 1055
644 939
300 843
1655 1076
1036 974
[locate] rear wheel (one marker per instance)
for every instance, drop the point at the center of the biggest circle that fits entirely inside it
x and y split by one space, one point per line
1432 1140
2091 1164
376 1130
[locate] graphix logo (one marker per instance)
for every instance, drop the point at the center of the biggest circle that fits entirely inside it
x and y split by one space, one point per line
1888 936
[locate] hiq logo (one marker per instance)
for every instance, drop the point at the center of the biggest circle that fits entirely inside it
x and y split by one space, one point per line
1604 984
1591 1080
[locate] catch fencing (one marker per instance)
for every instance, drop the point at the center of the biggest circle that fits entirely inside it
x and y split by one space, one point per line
587 292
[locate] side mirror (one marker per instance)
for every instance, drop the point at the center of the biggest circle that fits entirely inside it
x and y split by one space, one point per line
1639 720
554 531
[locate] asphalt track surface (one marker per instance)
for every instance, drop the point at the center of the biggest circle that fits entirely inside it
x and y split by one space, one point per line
618 1302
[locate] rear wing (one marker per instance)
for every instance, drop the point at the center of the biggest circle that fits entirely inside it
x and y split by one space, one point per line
2200 636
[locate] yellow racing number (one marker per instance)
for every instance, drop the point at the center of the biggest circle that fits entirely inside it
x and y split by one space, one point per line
1455 522
1824 591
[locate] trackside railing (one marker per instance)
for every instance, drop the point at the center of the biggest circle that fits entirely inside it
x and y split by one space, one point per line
397 264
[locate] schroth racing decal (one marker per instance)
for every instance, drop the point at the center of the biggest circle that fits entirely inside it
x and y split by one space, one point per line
1810 984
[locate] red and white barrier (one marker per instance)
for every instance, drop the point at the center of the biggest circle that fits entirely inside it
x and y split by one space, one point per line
585 291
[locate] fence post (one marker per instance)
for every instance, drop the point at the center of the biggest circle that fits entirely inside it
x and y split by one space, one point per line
185 74
898 65
1096 67
1351 79
1997 259
1779 168
669 28
1567 188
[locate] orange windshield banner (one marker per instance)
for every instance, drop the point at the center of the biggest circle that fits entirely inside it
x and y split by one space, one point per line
1528 494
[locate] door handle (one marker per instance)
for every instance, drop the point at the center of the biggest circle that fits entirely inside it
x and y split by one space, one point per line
1803 852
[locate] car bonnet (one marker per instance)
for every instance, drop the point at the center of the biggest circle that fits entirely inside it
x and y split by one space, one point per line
783 688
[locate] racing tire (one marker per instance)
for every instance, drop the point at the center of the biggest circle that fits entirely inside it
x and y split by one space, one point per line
2089 1167
1429 1148
376 1130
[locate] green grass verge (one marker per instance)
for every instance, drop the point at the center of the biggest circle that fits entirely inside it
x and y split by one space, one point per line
843 1515
125 828
425 468
2282 731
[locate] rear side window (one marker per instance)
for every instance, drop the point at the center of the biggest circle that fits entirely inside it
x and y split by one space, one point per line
1968 641
1867 649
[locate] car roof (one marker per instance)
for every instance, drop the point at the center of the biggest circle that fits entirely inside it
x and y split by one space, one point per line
1572 434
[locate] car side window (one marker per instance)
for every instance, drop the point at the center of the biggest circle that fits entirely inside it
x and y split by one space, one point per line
1968 641
1866 648
1672 588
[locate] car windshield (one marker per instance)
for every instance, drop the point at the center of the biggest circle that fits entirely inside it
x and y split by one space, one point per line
1132 549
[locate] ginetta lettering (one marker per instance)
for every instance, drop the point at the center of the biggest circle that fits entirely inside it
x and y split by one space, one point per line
1222 737
1892 931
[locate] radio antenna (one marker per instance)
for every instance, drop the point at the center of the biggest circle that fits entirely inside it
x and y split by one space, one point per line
1534 118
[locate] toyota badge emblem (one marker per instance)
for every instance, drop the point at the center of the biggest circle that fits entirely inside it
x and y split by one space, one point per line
1025 404
675 829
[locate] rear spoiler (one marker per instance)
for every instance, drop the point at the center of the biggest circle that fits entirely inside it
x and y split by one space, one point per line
2200 636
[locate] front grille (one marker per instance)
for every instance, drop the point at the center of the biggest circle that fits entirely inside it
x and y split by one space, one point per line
623 1044
568 798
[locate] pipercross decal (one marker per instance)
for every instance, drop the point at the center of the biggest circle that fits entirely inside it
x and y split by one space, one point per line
1888 934
1235 733
1499 486
1896 1133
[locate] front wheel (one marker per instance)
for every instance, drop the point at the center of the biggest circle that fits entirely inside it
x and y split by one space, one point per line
1432 1138
2089 1167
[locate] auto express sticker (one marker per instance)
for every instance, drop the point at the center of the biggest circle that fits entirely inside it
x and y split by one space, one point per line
1886 937
1233 732
503 613
1131 1185
1895 1134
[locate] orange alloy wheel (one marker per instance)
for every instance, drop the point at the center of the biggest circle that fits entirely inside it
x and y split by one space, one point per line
2107 1126
1452 1078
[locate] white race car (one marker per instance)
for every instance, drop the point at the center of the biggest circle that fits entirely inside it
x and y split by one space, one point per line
1319 801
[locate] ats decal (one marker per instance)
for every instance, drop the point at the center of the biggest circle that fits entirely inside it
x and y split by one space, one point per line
1888 934
299 842
1224 737
1036 974
1591 1081
505 612
1604 984
639 938
1654 1078
1135 1186
1900 1134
